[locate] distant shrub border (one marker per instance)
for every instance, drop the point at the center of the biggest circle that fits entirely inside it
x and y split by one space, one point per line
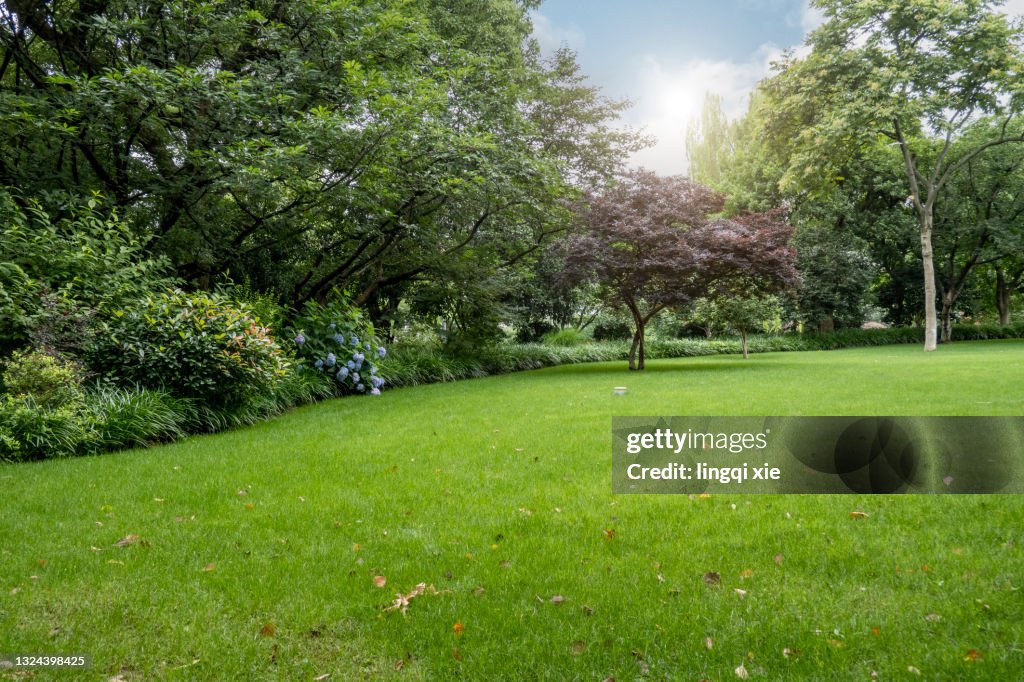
413 365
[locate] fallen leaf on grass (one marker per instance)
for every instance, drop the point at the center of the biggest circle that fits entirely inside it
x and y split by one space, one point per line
858 515
557 599
458 627
741 672
912 670
933 617
209 567
712 578
42 562
379 581
746 573
267 630
578 647
250 505
741 593
401 602
321 678
456 655
778 559
788 652
609 533
127 540
972 655
709 643
587 610
95 549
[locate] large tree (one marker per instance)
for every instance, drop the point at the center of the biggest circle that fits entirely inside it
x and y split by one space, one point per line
653 242
916 72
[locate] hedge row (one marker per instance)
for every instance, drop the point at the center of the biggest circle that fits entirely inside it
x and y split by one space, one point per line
412 365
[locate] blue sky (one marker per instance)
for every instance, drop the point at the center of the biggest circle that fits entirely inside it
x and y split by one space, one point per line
664 55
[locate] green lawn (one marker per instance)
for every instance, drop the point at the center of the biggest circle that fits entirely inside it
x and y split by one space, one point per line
257 549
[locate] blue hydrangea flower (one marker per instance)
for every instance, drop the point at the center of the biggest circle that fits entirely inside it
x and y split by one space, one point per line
374 391
339 338
355 377
358 357
319 364
355 340
332 325
331 359
382 351
300 339
366 345
350 364
360 388
342 373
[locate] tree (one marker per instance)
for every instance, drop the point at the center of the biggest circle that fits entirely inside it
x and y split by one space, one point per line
710 142
738 313
916 72
652 243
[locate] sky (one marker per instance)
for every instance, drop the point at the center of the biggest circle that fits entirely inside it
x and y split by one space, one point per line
664 55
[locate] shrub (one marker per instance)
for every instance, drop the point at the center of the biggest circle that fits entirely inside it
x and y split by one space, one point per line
131 417
29 430
204 347
613 331
533 331
56 276
337 340
51 382
564 337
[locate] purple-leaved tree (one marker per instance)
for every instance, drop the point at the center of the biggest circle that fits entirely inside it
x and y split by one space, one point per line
651 243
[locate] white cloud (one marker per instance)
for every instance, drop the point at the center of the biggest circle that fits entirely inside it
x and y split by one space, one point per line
550 36
1014 7
666 99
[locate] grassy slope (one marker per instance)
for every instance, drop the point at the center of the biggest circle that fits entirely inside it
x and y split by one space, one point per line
497 492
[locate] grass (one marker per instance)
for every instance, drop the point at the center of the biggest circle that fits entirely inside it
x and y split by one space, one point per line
257 548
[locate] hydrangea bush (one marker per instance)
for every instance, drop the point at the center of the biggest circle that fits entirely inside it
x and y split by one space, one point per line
336 339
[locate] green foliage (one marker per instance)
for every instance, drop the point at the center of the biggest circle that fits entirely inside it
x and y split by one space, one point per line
564 337
56 276
49 381
127 418
337 340
198 346
29 430
612 330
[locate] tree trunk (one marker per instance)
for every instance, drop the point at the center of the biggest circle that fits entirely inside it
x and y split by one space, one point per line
946 316
743 342
927 218
637 339
1002 297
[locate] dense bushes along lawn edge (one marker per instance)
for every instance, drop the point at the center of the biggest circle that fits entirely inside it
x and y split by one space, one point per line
118 418
413 365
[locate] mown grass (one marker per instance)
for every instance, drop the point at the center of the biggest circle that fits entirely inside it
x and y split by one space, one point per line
497 492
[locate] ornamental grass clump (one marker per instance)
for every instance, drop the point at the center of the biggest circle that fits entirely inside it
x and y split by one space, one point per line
337 340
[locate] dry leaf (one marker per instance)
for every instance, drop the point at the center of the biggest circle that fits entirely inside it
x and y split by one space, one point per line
379 581
401 602
709 643
741 672
557 599
267 630
159 499
703 496
787 652
746 573
127 540
741 593
609 533
587 610
578 647
712 578
972 655
250 505
321 678
478 591
95 549
933 617
456 655
209 567
875 631
912 670
115 562
243 492
858 515
458 627
778 559
356 547
42 562
661 578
